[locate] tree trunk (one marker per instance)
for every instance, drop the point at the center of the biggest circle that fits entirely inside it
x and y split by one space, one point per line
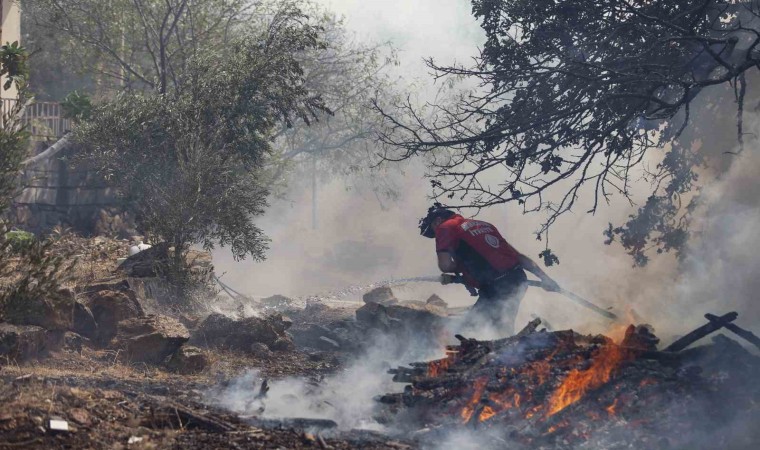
314 192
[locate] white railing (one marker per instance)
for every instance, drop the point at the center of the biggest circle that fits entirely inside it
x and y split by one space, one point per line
41 119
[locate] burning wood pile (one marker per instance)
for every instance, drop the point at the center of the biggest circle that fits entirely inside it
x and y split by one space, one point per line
560 389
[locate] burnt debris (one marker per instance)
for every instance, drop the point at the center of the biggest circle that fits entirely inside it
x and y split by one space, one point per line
561 389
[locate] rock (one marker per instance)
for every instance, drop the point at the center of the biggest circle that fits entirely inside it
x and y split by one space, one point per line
146 263
220 331
436 305
312 337
52 313
253 329
150 339
283 344
374 315
276 303
22 342
188 360
382 296
190 321
109 307
73 342
279 322
414 313
409 315
138 247
213 330
435 300
84 322
260 350
80 416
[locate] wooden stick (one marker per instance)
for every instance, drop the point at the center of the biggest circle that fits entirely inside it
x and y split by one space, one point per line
739 331
699 333
579 300
531 327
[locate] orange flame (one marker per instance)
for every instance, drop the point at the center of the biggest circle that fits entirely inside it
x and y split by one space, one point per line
477 394
617 330
486 414
578 382
611 409
539 370
437 368
532 411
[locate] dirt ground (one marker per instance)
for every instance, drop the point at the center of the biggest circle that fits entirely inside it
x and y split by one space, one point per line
110 404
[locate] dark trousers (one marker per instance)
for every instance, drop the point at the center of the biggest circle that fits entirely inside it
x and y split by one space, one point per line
499 301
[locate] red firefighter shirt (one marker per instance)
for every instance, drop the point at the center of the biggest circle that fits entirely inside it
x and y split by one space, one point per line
459 236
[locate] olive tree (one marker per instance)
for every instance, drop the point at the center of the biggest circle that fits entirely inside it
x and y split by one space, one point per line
189 160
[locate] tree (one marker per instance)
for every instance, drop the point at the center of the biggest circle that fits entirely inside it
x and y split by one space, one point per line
348 75
136 44
575 94
119 41
30 274
13 138
189 160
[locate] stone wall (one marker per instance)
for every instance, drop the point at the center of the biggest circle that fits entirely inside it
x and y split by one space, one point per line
57 192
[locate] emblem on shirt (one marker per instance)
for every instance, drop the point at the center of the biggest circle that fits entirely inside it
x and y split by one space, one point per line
492 240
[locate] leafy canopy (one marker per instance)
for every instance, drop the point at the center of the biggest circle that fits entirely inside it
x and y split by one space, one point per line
189 160
573 94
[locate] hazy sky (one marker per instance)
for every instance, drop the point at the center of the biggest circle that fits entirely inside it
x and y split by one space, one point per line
442 29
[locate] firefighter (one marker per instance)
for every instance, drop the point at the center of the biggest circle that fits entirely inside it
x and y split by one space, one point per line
487 263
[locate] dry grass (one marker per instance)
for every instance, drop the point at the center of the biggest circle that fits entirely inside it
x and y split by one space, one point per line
96 258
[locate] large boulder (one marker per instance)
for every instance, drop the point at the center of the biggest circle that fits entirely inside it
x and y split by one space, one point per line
220 331
109 307
188 360
213 330
410 315
150 339
382 296
53 312
84 321
22 342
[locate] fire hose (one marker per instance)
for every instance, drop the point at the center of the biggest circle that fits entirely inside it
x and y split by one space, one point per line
458 279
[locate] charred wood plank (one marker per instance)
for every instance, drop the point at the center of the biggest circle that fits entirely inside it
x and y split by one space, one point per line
182 417
531 327
446 381
739 331
298 423
699 333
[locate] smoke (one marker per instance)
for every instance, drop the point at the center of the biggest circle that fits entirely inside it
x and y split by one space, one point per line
346 397
721 266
